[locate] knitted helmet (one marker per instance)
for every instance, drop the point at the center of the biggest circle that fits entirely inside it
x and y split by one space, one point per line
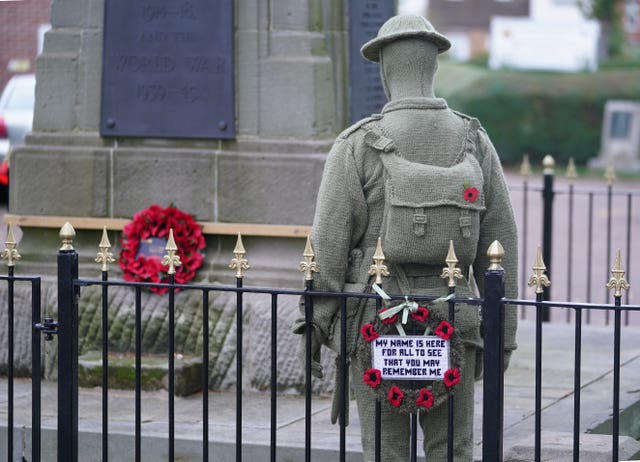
399 27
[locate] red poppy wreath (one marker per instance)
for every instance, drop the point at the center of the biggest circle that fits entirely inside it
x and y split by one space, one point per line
409 396
144 239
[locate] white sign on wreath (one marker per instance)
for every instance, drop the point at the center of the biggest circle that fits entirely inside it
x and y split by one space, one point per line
410 357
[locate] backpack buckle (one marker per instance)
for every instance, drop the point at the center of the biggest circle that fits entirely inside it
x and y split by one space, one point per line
419 222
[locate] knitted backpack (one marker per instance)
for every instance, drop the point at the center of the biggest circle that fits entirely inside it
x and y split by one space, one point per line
426 205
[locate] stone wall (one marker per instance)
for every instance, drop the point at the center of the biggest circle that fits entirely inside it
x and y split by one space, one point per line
290 97
257 335
290 103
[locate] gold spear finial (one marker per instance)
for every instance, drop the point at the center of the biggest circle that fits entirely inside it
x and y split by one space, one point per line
495 254
450 271
538 278
525 166
308 266
572 172
171 259
239 263
67 233
610 174
10 253
548 165
104 256
617 281
378 269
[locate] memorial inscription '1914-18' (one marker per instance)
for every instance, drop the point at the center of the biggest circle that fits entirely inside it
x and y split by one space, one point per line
168 69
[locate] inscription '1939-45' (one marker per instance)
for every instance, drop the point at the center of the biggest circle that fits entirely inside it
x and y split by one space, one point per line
159 93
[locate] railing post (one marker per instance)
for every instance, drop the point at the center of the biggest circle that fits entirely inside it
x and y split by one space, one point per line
547 224
67 348
308 267
617 283
493 382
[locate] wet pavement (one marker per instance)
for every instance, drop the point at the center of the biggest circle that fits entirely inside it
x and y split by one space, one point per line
557 408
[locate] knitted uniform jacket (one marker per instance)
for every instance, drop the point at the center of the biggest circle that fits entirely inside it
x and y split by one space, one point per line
350 209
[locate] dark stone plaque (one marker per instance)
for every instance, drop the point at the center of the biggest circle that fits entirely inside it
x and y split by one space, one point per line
168 69
366 95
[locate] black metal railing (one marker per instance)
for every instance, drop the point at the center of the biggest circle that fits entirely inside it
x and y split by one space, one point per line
48 327
69 287
617 308
66 326
578 229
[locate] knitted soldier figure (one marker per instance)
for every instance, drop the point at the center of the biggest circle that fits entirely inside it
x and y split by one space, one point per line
417 175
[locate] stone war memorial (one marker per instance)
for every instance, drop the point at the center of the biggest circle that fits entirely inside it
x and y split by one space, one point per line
620 145
224 110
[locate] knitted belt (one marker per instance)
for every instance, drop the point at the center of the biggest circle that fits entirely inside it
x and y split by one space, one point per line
417 275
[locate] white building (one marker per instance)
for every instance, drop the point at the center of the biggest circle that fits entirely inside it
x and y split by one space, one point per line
556 36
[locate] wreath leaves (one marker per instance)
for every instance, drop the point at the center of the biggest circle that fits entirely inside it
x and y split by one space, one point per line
156 221
409 396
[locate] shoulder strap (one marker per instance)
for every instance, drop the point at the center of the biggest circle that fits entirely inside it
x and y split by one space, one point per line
470 146
375 138
360 124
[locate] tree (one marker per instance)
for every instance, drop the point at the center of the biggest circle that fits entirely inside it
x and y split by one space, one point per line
609 14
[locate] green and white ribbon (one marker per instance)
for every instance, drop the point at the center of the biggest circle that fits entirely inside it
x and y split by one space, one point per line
406 307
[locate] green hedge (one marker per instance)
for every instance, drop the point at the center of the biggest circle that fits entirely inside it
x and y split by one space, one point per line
540 113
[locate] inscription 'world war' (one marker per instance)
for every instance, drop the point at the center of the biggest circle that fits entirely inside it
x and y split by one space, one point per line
168 64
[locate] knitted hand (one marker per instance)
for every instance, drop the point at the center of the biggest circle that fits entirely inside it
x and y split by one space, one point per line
507 359
316 344
479 362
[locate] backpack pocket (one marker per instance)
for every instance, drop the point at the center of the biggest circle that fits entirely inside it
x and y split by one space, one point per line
426 206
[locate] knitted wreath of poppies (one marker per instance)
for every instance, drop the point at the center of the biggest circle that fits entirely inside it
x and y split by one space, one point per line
399 394
155 222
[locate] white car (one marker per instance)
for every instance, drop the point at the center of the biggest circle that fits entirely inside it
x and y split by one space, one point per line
16 118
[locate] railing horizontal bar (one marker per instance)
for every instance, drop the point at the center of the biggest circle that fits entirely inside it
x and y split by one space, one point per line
299 292
20 278
269 291
585 192
574 305
562 191
530 187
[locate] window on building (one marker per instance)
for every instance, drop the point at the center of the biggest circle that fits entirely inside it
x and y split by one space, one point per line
620 125
632 16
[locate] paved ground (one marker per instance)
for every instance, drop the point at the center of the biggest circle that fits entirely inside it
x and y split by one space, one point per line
557 402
